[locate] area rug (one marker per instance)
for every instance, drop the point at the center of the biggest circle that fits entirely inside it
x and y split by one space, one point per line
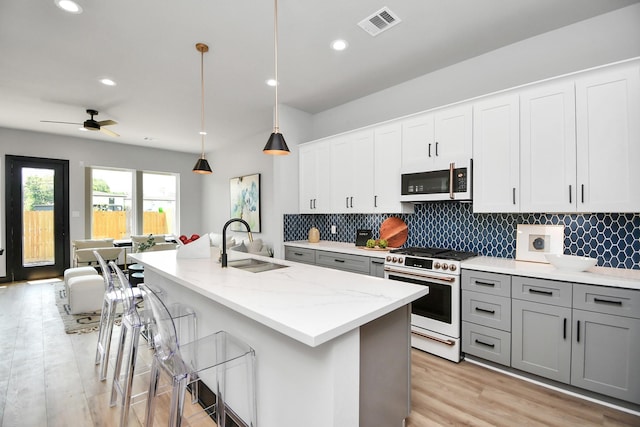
76 323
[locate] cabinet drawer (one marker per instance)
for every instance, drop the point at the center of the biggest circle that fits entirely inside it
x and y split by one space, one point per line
601 299
541 290
354 263
307 256
376 267
487 343
487 283
487 310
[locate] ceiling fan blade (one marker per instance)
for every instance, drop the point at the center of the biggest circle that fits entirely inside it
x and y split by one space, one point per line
64 123
107 123
108 132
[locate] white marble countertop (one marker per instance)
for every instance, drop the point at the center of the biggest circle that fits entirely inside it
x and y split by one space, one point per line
307 303
605 276
341 247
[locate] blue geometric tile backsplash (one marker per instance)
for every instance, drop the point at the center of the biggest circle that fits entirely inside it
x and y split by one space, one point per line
614 239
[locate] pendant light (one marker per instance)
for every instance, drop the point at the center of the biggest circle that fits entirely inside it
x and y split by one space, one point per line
276 144
202 165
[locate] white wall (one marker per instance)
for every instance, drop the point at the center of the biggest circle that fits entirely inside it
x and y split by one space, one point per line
243 158
84 152
604 39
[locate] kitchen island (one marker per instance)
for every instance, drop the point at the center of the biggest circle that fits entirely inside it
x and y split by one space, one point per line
332 348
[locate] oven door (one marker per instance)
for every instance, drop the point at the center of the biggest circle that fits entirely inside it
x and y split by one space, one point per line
439 311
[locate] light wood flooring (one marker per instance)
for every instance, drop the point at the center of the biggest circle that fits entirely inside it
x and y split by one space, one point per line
48 378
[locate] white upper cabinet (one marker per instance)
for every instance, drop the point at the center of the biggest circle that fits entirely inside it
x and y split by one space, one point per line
418 144
548 148
496 154
386 168
352 172
437 138
608 139
314 178
453 133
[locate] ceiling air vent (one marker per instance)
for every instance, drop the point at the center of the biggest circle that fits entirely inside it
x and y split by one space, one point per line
380 21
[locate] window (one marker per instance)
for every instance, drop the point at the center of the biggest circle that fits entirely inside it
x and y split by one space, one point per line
118 210
159 203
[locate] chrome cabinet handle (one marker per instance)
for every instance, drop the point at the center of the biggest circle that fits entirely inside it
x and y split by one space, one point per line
440 340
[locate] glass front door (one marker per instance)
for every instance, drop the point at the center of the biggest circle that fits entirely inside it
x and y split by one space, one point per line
37 217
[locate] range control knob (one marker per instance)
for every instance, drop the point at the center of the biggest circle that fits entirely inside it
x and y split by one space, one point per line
400 260
445 266
436 265
453 267
394 259
388 258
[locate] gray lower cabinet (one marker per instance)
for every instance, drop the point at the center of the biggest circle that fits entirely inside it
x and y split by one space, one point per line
541 339
307 256
346 262
606 341
376 267
486 315
372 266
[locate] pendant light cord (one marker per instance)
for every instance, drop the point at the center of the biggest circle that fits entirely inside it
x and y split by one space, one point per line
202 132
276 127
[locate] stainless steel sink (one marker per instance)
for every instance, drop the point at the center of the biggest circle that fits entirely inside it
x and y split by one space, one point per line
255 265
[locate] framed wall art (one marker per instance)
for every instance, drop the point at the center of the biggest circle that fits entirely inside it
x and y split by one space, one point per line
244 192
534 241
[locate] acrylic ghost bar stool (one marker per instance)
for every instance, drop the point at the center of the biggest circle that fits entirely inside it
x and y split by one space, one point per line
133 321
112 298
220 361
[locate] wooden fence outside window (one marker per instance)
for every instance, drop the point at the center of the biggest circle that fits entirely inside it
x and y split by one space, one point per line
38 232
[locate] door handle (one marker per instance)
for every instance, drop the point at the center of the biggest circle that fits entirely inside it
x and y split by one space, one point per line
484 310
436 148
375 201
351 201
514 195
578 331
582 192
484 343
346 202
429 149
570 193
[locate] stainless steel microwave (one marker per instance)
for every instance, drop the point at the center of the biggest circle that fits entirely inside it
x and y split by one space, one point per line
450 181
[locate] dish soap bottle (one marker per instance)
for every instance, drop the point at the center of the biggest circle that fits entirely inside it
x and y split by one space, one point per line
314 235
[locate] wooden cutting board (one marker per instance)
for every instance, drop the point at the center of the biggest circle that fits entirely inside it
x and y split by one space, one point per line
395 231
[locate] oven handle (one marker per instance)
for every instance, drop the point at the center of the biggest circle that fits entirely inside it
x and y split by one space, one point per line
440 340
422 276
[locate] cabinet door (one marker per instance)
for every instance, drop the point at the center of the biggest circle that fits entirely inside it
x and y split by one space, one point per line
387 163
376 267
496 155
541 339
418 148
605 354
453 133
352 173
314 178
308 171
608 145
548 148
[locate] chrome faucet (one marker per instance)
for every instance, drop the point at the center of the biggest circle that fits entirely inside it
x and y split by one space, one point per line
224 237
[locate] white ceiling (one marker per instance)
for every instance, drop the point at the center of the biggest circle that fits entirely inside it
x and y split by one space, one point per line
50 61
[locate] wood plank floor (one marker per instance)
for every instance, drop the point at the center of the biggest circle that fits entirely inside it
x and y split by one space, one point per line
48 378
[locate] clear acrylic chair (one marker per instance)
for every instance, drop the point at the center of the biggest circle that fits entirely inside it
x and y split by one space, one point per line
112 298
133 322
219 361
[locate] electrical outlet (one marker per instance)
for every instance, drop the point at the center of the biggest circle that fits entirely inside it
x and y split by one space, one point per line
334 229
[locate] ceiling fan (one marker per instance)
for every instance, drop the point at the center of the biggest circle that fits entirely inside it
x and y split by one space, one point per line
91 124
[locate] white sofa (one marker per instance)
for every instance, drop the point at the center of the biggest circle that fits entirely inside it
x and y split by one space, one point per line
83 251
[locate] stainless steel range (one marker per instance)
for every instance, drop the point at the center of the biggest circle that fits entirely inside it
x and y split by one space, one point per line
435 318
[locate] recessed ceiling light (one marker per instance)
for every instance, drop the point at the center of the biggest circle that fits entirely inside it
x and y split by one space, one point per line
69 6
202 132
272 82
339 45
107 82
